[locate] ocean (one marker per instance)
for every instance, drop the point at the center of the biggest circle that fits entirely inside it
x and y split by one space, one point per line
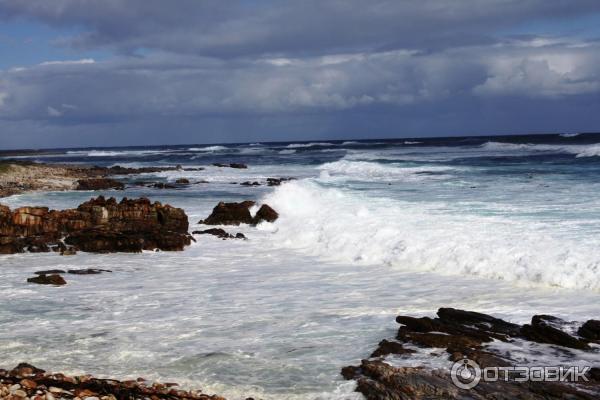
505 225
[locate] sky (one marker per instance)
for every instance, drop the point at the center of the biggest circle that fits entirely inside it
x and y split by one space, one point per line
145 72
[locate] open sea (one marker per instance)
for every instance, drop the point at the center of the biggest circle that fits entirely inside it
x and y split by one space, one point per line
508 226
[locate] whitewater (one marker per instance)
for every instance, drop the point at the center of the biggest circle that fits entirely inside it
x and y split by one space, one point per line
367 230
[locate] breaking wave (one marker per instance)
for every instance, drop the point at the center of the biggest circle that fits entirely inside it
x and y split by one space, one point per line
588 150
350 227
369 171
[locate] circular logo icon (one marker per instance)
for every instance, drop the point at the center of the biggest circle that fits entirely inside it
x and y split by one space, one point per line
465 374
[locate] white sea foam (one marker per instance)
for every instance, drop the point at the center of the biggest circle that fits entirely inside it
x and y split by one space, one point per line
209 148
588 150
346 227
288 151
301 145
368 171
116 153
411 142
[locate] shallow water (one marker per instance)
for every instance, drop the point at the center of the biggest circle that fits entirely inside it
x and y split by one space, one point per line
367 231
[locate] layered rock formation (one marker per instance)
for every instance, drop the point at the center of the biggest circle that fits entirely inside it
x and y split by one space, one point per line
466 335
239 213
98 225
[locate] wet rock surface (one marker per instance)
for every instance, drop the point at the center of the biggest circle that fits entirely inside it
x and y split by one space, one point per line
466 335
231 165
99 184
220 233
28 382
98 225
52 279
239 213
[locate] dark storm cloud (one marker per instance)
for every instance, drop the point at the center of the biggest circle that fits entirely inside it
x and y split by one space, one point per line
196 71
234 28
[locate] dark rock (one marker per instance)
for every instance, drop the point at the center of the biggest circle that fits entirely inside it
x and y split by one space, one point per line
99 184
49 271
53 279
543 330
232 165
230 214
182 181
387 347
590 330
240 235
221 233
464 334
265 213
248 183
88 271
277 181
163 185
98 225
194 169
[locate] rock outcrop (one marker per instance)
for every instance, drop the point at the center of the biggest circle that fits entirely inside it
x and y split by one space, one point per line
466 335
98 225
26 381
99 184
239 213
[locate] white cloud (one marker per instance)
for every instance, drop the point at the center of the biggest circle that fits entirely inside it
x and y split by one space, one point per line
53 112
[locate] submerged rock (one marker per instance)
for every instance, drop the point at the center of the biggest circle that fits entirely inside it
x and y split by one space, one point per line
98 225
221 233
182 181
465 334
88 271
53 279
232 165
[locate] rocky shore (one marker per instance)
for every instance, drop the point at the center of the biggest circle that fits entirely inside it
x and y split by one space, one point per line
468 338
28 382
23 176
99 225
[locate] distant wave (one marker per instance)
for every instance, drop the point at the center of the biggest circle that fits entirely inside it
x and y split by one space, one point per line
587 150
349 143
348 227
300 145
290 151
569 134
108 153
370 171
409 142
209 148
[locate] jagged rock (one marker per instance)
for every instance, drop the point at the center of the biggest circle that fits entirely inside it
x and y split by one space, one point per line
543 329
99 184
466 334
248 183
98 225
53 279
265 213
239 213
182 181
230 214
590 330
